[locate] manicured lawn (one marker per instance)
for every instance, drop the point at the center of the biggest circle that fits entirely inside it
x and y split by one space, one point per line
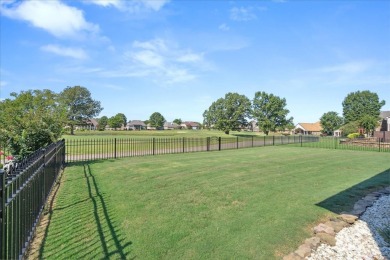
255 203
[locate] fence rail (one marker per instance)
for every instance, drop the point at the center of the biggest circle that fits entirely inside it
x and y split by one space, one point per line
24 192
96 149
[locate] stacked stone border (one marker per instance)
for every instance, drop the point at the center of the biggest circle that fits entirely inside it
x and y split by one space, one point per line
326 232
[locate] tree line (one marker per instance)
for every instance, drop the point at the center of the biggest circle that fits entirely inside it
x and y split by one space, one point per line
233 112
361 110
33 119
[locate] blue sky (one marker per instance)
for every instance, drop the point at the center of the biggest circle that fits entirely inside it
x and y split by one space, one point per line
177 57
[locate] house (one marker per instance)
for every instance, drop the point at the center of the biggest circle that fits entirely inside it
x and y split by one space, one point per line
170 126
383 131
308 128
89 124
337 133
135 125
190 125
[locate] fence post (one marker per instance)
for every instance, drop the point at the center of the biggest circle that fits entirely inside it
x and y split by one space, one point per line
208 143
183 144
273 140
379 144
300 139
2 205
252 140
237 142
219 143
114 148
154 141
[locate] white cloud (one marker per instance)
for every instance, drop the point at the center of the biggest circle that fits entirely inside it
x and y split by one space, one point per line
347 68
224 27
242 14
52 16
3 83
76 53
148 58
133 6
190 58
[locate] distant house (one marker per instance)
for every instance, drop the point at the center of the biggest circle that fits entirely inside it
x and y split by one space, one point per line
190 125
170 126
89 124
337 133
135 125
308 128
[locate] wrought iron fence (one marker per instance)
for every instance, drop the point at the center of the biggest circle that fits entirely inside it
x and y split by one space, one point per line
24 192
96 149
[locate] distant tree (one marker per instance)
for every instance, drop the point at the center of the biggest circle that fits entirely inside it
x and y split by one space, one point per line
124 119
229 113
369 123
206 119
31 120
103 121
115 121
361 103
156 120
178 121
146 122
330 122
79 105
270 112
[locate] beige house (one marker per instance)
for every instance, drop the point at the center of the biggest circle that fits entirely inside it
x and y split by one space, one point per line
308 128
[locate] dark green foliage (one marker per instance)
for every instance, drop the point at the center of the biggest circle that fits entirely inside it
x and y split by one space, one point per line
349 128
178 121
103 121
369 123
361 103
31 120
79 105
330 122
156 120
229 113
115 121
270 112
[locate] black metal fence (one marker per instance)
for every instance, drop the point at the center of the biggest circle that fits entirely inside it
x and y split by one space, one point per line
96 149
24 192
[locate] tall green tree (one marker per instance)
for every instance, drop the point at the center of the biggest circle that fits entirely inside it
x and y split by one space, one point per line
115 121
124 119
178 121
330 122
79 105
368 123
358 104
156 120
31 120
228 113
103 121
270 112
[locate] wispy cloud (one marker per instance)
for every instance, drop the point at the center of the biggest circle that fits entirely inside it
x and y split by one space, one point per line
53 16
76 53
3 83
224 27
160 60
133 6
243 14
346 68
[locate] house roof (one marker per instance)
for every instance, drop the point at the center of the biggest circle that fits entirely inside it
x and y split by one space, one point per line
384 114
136 122
312 127
169 124
190 123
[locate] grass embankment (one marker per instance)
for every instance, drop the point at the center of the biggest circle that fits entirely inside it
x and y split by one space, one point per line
252 203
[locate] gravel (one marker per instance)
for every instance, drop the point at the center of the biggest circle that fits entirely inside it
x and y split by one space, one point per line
363 240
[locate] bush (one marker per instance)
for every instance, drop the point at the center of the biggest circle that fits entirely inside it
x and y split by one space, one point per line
354 135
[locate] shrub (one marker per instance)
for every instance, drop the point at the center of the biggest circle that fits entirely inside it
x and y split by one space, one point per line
353 135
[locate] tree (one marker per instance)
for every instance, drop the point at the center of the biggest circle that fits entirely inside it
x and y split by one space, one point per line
31 120
178 121
79 105
156 120
103 121
368 123
124 119
361 103
229 113
270 112
330 122
115 121
350 128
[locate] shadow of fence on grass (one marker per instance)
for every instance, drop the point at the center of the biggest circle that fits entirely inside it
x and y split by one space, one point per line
343 202
105 220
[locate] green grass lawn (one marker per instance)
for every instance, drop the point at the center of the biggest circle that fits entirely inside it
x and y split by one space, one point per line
255 203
